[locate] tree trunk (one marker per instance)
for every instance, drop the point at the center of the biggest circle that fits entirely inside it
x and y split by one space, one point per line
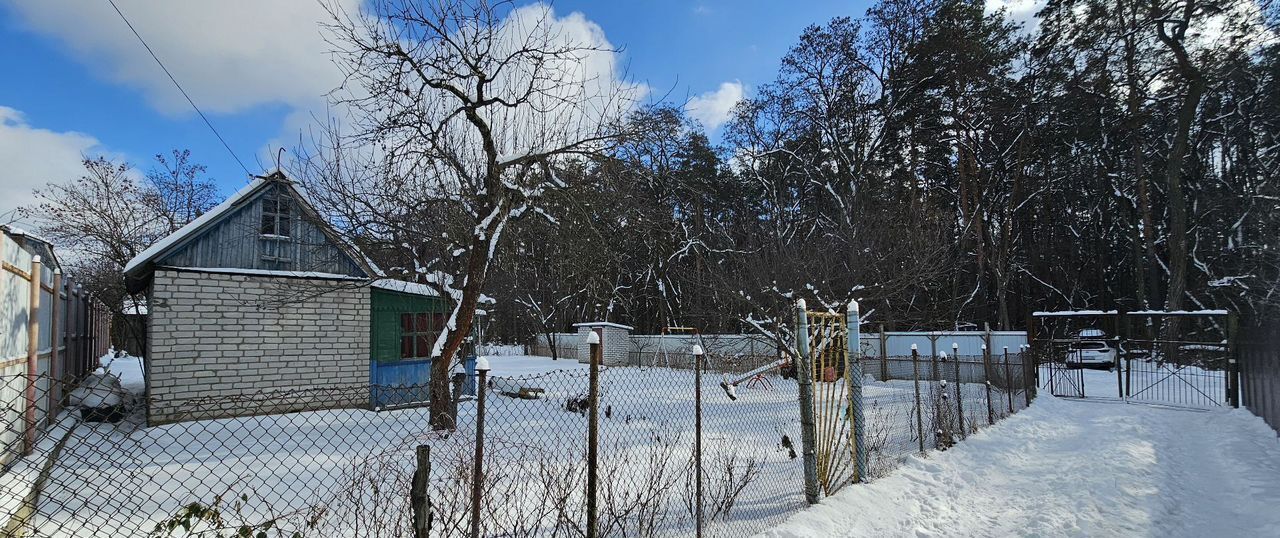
1177 239
1177 198
477 268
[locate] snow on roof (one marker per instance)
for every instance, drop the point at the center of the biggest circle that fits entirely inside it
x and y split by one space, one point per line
1179 313
603 324
191 227
405 287
1075 313
268 272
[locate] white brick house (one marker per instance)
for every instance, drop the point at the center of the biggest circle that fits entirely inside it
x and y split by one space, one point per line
259 307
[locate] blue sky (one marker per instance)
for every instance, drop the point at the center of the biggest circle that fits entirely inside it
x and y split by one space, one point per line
78 83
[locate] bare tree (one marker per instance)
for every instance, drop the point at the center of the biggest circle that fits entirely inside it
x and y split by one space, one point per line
470 108
178 189
107 216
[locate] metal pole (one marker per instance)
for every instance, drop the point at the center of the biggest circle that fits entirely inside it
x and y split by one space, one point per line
804 378
1028 389
33 354
884 355
1233 382
854 322
955 356
915 376
477 471
593 433
56 331
419 497
986 380
1008 379
697 427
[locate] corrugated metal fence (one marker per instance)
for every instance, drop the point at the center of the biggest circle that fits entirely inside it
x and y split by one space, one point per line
1259 350
743 352
33 322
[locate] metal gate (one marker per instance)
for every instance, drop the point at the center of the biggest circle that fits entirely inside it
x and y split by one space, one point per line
1196 369
1180 373
1059 373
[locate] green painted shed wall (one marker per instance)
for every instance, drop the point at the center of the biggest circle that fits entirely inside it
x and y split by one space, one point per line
384 320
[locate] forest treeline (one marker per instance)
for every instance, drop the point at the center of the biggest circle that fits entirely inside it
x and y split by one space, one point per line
945 166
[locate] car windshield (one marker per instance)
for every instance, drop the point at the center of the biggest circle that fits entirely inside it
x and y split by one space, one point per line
1089 345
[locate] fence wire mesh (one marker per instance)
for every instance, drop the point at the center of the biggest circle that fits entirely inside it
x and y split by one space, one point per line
915 404
279 463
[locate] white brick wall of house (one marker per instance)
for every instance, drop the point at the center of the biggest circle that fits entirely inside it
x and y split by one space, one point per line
220 335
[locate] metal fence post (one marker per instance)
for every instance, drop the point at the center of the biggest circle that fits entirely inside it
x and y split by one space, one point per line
1128 376
1008 379
477 470
593 433
419 496
804 378
1233 382
934 391
55 336
854 340
1028 389
33 354
884 354
915 376
697 440
986 381
955 356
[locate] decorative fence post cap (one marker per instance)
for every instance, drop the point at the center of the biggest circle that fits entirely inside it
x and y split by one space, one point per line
482 364
913 347
801 304
853 306
697 350
593 338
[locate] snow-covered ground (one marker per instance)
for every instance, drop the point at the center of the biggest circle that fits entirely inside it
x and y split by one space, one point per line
525 365
116 478
127 368
1063 467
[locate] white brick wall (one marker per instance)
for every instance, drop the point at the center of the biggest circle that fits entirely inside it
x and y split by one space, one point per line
616 342
218 336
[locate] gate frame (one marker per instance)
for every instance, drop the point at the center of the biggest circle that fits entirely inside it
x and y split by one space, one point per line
1231 376
1124 331
1038 350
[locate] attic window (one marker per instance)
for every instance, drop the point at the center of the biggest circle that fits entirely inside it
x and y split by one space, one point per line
277 216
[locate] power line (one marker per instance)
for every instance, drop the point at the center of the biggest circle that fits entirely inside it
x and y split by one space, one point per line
179 86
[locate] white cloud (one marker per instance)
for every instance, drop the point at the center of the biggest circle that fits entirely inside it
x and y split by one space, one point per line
229 55
34 157
712 108
1020 11
232 55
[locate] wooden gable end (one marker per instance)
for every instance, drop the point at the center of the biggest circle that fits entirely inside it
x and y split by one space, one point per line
271 230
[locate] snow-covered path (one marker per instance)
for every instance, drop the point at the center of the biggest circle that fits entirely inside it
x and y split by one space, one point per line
1075 468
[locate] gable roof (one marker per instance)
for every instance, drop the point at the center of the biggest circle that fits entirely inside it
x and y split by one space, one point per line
141 265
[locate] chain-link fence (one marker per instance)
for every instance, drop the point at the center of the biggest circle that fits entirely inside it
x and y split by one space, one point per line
917 403
98 468
348 472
